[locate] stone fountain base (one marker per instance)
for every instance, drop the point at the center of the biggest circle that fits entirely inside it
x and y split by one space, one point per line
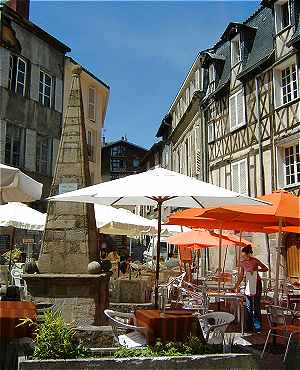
81 298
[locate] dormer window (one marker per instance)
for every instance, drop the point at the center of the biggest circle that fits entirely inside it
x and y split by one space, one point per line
282 15
235 50
211 78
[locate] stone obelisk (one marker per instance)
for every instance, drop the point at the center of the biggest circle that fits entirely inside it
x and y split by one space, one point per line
69 241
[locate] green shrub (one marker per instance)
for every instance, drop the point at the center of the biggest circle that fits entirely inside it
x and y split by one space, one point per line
193 346
55 339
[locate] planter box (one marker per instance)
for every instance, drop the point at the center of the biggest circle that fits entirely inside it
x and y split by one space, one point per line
207 362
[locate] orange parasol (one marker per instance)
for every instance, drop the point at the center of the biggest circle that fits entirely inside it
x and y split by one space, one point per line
284 211
284 229
189 217
285 208
204 239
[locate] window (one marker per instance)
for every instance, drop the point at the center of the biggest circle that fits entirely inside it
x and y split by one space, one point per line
14 145
187 157
292 164
282 15
211 132
45 89
136 163
42 155
17 74
211 78
118 165
90 145
118 151
187 96
289 84
235 50
239 177
92 104
237 110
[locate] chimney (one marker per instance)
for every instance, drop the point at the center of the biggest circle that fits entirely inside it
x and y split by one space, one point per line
20 6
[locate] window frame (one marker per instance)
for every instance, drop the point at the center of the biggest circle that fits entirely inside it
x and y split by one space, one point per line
90 145
244 160
236 110
42 94
211 78
40 140
134 161
117 169
289 67
14 62
235 40
294 165
21 147
278 16
211 139
90 103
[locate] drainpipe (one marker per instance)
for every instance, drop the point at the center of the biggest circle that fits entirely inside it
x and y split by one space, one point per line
261 164
205 169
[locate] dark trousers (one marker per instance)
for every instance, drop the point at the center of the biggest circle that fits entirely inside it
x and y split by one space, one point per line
253 311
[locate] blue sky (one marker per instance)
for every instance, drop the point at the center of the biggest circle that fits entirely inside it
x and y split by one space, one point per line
142 50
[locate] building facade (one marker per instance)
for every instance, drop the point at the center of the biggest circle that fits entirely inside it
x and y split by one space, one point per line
180 129
95 95
248 115
31 93
121 158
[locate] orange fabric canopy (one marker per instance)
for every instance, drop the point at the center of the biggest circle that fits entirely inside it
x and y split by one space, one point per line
189 218
203 239
285 206
284 229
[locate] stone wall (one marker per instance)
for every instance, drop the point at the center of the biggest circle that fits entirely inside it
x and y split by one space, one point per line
81 298
226 361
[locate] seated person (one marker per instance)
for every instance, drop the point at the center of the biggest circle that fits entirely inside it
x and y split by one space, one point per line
172 261
12 294
125 264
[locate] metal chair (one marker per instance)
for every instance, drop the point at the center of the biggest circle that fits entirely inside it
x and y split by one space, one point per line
214 325
279 328
125 334
294 305
193 297
16 275
174 283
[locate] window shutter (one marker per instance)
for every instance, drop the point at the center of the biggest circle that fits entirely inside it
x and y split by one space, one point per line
232 107
30 150
243 177
198 162
235 180
92 102
58 94
240 108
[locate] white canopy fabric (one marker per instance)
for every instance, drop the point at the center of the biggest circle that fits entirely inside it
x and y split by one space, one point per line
158 187
119 221
146 188
21 216
15 186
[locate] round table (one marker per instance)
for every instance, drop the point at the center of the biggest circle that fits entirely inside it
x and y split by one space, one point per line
11 313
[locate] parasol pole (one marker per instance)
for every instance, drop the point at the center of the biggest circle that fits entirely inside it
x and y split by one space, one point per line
276 288
219 268
159 206
198 257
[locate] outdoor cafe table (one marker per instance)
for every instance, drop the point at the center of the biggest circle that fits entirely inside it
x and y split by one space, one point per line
168 326
237 298
10 314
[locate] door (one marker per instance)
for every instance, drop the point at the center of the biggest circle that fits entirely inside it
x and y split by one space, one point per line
293 255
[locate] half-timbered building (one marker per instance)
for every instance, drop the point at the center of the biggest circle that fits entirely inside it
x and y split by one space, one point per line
247 115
